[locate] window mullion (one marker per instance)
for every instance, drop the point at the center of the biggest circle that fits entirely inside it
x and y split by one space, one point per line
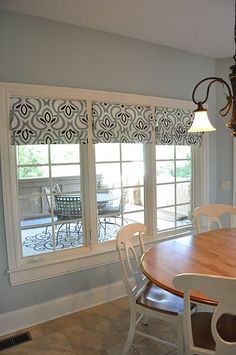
51 196
150 197
90 186
175 187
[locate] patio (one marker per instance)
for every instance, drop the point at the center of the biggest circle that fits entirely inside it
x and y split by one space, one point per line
39 239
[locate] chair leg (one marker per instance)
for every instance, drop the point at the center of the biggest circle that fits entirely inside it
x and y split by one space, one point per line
58 231
105 228
145 320
132 326
180 337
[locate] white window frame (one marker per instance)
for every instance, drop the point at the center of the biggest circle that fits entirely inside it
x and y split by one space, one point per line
41 267
174 183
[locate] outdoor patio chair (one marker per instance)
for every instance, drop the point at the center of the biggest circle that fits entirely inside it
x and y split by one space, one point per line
69 210
50 194
109 212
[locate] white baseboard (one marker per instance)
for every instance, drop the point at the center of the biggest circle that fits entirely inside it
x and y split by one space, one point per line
29 316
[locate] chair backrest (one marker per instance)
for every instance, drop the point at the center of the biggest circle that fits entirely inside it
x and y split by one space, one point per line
68 207
222 290
50 195
130 247
213 212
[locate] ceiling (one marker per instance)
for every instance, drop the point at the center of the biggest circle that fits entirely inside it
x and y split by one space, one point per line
199 26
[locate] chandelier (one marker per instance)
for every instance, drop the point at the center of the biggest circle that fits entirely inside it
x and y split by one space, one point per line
201 122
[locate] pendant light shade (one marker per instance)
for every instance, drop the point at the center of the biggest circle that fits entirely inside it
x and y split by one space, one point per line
201 121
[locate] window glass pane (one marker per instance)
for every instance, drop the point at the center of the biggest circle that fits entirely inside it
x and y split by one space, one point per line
183 192
69 185
165 195
133 199
50 218
47 237
30 159
108 201
35 240
183 152
165 218
183 215
183 170
65 153
108 175
133 174
124 179
165 171
108 191
132 151
32 154
164 152
108 227
107 152
109 211
174 165
135 217
65 170
33 172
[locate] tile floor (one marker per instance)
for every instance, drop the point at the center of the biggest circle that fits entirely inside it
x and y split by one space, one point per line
100 330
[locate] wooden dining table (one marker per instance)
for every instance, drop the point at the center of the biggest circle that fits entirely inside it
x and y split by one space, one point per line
212 253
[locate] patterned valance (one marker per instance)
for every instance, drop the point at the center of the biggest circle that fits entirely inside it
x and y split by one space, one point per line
118 123
48 121
58 121
172 127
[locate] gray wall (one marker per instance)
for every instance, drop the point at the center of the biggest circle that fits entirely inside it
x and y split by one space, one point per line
39 51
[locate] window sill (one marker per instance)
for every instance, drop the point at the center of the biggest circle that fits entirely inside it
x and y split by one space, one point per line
38 269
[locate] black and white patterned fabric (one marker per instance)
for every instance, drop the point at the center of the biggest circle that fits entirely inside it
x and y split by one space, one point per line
48 121
118 123
58 121
171 127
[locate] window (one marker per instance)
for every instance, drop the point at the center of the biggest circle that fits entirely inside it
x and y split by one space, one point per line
50 185
119 172
174 189
66 201
49 195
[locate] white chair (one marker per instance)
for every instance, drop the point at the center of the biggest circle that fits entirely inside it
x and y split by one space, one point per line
213 212
205 332
144 297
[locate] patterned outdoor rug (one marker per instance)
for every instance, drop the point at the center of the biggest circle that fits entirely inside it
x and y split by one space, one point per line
41 240
44 240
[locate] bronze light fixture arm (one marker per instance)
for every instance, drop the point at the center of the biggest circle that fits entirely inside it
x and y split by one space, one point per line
230 97
225 110
201 113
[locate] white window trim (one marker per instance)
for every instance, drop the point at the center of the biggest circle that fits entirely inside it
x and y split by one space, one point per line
41 267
